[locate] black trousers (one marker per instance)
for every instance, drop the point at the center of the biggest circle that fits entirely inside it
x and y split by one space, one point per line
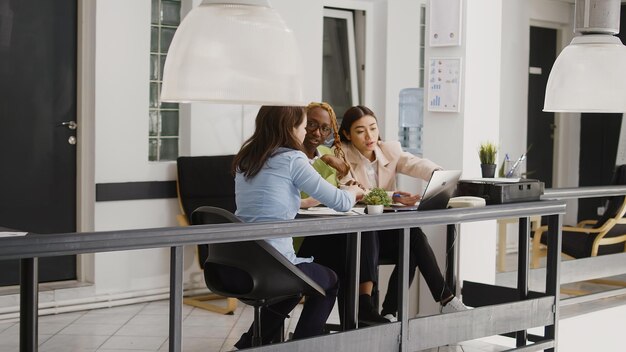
377 247
314 314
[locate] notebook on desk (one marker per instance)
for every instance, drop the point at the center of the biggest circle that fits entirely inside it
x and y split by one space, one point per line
437 193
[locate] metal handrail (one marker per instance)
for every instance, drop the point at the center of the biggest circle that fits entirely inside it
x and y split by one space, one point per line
583 192
386 336
43 245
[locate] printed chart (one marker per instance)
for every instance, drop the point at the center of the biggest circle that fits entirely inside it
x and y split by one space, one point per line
444 84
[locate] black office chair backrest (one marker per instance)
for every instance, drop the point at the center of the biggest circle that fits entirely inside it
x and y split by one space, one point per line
614 203
250 270
205 180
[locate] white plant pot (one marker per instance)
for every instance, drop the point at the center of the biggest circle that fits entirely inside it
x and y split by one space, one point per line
374 209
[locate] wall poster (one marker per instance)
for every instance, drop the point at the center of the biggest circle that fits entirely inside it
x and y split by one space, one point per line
444 84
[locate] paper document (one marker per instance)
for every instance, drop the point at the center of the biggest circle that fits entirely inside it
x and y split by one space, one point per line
493 179
12 234
325 211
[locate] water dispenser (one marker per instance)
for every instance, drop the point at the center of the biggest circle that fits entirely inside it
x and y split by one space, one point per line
411 119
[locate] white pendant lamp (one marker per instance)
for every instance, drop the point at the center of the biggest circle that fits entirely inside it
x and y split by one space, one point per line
238 52
590 74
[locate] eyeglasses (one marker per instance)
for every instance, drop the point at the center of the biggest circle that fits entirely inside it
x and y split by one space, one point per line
325 130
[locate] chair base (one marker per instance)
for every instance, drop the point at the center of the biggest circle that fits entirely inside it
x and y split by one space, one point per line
200 302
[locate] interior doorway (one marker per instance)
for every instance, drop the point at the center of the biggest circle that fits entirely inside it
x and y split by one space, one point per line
38 50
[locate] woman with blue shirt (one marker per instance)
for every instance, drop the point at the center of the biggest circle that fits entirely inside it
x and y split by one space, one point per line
270 171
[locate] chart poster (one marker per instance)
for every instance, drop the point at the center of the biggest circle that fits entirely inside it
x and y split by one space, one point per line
444 84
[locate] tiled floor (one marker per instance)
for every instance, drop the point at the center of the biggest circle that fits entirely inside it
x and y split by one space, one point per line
144 327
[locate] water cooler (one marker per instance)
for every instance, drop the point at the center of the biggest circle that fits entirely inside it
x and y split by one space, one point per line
411 119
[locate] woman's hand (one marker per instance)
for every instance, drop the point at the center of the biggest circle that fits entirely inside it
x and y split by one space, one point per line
355 188
405 198
309 202
354 182
336 163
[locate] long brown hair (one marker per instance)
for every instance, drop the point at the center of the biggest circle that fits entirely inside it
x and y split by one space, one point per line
350 116
333 123
274 128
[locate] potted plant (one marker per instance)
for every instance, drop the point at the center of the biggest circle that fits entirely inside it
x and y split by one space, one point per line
487 154
376 199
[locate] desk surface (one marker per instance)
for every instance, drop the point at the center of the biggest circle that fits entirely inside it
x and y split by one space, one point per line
325 211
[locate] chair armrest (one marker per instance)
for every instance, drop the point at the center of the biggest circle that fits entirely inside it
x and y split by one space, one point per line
586 223
182 220
289 265
582 229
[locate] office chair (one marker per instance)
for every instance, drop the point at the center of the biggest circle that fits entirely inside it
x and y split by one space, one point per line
267 276
205 180
605 235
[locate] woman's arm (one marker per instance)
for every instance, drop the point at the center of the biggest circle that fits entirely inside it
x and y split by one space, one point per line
409 164
306 179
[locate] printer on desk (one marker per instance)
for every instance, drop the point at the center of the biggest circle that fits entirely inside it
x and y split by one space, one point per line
502 191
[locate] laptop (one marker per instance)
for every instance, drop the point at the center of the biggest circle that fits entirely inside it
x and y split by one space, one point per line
437 193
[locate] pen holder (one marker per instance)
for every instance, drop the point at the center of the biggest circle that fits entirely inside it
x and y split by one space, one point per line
519 168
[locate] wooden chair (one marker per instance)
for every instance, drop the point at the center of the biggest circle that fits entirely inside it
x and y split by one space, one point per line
605 235
205 180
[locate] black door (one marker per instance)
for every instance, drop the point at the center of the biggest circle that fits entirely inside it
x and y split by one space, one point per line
38 94
540 128
599 140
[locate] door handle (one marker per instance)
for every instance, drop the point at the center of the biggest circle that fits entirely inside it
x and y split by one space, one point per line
69 124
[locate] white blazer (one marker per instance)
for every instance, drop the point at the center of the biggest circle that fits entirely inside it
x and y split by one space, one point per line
391 160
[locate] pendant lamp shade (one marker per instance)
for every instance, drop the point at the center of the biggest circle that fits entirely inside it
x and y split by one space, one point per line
240 53
590 74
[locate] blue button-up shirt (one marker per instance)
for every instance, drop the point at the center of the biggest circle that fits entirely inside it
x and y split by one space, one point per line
274 194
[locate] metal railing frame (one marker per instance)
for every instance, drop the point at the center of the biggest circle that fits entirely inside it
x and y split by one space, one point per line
404 335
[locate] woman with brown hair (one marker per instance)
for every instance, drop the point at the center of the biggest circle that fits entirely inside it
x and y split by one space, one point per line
270 171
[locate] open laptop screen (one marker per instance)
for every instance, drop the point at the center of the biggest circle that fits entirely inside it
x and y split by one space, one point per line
437 193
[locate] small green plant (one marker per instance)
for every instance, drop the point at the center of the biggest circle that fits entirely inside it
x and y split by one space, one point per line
487 153
377 196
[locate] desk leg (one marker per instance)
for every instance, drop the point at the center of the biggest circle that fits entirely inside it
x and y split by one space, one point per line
176 299
553 286
522 272
451 250
501 265
29 303
350 312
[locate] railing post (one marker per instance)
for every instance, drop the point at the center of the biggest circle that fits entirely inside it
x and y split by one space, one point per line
176 299
451 250
553 286
351 319
29 304
403 283
522 271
